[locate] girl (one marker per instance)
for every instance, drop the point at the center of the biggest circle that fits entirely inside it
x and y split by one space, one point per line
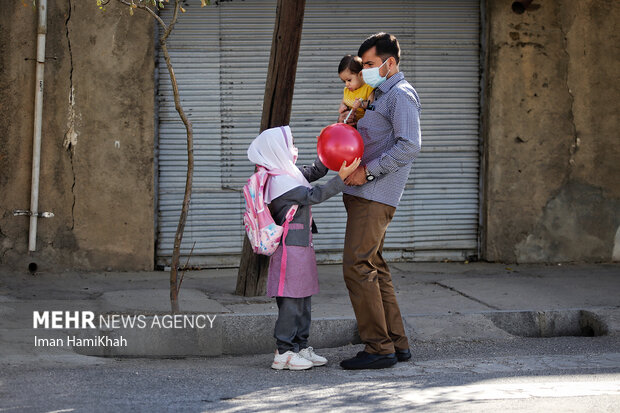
293 289
357 94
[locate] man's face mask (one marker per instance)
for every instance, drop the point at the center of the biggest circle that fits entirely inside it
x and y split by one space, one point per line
372 77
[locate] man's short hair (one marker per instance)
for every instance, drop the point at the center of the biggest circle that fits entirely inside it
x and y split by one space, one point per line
386 45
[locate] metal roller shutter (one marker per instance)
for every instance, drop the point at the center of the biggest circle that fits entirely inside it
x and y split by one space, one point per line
221 55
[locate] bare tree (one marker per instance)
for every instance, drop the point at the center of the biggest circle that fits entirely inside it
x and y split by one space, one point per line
277 103
151 7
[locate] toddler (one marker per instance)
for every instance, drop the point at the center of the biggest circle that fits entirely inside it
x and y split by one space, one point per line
357 94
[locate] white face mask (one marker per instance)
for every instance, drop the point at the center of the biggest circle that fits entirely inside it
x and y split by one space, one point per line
372 77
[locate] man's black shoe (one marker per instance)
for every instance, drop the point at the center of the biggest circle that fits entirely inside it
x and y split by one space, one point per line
365 360
403 355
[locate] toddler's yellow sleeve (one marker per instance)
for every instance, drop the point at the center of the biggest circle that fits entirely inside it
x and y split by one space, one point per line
348 97
365 91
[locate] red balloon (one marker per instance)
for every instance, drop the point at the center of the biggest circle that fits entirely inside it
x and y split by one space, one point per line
337 143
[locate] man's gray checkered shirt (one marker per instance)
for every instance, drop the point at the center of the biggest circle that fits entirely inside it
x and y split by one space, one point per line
392 140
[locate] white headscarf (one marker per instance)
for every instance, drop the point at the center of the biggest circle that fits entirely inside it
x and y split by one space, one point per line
274 150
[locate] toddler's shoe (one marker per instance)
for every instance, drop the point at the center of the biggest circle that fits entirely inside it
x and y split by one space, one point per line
309 354
291 361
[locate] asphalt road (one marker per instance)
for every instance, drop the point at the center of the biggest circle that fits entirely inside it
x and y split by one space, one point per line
565 374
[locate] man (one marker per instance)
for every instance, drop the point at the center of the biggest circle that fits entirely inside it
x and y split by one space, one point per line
391 132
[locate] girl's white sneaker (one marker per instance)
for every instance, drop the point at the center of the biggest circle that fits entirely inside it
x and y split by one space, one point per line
291 361
309 354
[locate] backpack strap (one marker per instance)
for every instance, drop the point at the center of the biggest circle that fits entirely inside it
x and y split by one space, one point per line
289 217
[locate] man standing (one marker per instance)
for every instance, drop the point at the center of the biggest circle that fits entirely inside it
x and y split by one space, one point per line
391 132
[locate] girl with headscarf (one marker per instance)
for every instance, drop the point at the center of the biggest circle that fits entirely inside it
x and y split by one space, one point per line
294 285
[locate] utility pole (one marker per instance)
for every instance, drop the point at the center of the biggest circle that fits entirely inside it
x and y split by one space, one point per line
253 268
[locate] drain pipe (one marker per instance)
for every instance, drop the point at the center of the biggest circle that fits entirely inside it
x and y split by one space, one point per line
38 118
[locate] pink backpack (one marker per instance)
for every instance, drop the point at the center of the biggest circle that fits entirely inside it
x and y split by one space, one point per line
264 234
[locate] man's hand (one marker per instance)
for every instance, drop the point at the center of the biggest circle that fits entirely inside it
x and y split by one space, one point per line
358 177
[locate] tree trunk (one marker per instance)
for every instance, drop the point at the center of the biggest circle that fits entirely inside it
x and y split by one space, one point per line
176 251
175 284
252 276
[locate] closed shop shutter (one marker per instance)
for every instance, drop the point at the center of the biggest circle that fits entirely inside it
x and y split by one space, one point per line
221 56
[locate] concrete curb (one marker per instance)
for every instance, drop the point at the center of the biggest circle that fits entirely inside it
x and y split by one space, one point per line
555 323
238 334
231 334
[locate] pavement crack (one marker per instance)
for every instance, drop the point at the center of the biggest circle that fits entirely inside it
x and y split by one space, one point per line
469 297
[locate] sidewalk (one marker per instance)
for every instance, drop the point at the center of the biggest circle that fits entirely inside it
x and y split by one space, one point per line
439 302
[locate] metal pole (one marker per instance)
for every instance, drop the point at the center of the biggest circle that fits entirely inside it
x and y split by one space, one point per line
38 116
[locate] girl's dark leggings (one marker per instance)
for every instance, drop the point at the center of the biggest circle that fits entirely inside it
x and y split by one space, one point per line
293 324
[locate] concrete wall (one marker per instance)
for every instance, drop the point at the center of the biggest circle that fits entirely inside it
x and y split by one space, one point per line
552 147
97 145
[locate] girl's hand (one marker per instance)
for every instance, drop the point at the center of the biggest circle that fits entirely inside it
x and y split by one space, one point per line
345 170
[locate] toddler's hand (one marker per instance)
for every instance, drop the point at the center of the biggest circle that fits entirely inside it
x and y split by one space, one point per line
345 170
343 115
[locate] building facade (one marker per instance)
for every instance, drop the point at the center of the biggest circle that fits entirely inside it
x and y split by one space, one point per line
520 158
